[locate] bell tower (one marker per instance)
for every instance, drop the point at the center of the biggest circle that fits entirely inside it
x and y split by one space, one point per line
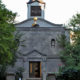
36 8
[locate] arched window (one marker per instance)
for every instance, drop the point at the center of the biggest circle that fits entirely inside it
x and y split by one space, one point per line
52 42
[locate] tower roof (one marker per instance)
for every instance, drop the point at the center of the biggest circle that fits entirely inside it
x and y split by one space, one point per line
40 1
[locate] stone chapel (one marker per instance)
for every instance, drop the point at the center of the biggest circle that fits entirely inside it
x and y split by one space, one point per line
39 52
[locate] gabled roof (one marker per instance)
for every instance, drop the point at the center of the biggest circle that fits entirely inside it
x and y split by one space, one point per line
40 19
33 52
32 1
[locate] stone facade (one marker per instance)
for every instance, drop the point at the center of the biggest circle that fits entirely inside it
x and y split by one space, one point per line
38 44
37 47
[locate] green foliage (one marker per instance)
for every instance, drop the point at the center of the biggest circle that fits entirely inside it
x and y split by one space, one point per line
62 41
75 21
8 44
7 28
71 54
69 74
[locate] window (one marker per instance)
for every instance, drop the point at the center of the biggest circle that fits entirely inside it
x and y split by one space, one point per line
52 42
35 11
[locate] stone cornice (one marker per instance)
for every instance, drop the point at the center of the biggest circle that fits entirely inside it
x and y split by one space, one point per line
61 29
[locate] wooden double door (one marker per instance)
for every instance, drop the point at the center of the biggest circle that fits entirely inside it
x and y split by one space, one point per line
34 69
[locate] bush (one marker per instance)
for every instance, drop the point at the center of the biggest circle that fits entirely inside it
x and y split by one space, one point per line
69 74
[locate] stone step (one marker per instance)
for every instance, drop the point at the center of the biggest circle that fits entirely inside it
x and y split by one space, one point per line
34 79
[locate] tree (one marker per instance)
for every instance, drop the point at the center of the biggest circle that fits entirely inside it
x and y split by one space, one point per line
71 53
6 34
8 44
75 23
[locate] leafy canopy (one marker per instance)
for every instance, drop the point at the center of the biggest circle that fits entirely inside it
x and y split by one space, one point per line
71 53
7 42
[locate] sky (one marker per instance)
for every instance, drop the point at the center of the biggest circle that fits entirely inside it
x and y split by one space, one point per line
56 11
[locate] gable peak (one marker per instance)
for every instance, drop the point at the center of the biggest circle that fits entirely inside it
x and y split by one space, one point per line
40 1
